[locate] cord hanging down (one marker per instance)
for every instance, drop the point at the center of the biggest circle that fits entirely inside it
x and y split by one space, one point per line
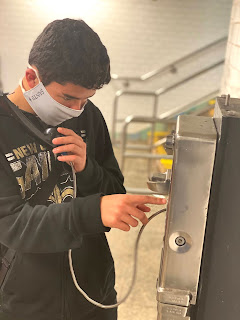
133 276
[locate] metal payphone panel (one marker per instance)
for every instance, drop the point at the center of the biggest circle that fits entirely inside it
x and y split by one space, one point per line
194 146
218 294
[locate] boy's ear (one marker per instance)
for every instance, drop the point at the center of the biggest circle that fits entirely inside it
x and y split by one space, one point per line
31 78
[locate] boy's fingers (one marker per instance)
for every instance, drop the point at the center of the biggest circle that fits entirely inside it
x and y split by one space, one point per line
66 131
140 215
143 208
139 199
122 226
77 140
130 220
69 148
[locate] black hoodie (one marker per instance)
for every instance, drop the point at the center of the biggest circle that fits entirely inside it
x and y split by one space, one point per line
38 285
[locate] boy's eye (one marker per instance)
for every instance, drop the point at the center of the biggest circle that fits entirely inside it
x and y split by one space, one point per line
66 98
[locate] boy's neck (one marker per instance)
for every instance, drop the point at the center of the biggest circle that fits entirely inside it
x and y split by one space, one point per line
18 99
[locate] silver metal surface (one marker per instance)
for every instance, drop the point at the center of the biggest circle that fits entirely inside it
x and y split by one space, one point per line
160 182
174 297
180 242
194 154
171 312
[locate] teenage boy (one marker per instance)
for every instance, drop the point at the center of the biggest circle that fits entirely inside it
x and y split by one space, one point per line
67 64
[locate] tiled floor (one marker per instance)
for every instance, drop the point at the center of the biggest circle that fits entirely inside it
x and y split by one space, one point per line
142 303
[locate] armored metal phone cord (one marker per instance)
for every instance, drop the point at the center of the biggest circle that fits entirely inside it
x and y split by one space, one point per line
134 266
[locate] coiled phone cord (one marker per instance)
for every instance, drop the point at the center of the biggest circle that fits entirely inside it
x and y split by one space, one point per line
134 273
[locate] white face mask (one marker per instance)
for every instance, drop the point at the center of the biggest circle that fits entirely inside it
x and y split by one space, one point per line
49 110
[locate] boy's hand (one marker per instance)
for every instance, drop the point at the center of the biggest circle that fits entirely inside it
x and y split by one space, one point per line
74 146
121 210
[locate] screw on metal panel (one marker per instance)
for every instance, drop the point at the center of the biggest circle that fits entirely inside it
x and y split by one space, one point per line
180 241
227 100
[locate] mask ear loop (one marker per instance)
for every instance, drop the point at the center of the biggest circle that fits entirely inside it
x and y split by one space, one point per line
21 86
21 80
36 72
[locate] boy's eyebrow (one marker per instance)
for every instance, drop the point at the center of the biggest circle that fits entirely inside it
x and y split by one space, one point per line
71 97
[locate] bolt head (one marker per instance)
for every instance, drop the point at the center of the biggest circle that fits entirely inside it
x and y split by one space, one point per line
180 241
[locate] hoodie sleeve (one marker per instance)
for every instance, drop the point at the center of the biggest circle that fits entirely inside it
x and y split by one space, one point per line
102 172
45 229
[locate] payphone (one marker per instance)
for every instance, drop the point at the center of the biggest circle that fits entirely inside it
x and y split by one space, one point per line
200 260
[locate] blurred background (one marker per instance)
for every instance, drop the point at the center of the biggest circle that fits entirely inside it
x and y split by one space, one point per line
167 58
140 35
168 54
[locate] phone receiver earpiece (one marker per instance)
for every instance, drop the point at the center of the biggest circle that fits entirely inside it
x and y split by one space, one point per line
52 133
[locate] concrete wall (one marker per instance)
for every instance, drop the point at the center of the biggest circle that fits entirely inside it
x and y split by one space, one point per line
141 35
231 76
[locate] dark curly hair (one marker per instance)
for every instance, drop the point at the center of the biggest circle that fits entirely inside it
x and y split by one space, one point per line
70 51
